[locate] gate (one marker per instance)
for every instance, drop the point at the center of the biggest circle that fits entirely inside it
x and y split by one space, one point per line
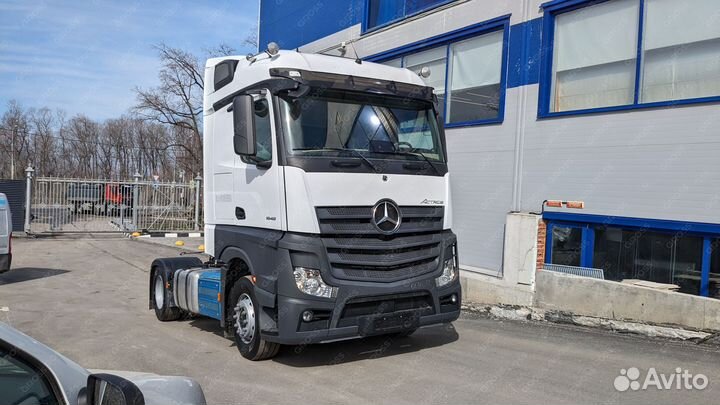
95 206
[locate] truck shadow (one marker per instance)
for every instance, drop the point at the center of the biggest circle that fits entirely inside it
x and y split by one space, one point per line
348 351
374 347
27 274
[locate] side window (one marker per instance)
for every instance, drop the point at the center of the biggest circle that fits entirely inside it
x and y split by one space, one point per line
263 133
22 383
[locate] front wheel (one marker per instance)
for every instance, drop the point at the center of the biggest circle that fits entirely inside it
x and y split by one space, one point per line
246 323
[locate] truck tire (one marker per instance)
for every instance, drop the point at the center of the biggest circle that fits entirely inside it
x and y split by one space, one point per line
163 311
245 323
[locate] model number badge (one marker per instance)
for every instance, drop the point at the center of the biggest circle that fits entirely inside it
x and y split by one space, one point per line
432 202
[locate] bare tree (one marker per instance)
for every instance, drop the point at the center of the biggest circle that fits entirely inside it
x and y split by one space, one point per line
177 102
15 134
221 50
252 39
44 154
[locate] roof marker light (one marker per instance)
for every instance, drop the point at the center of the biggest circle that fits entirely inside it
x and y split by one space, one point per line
273 48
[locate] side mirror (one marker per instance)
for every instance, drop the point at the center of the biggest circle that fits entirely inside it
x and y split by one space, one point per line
108 389
244 125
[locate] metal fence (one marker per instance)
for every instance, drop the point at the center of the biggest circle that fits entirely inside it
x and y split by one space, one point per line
576 271
82 205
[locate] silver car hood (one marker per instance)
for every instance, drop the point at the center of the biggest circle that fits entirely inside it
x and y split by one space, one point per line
162 390
72 378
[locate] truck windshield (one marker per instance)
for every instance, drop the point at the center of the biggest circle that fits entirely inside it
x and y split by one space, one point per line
369 125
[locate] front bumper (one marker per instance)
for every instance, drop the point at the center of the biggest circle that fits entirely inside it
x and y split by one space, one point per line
360 311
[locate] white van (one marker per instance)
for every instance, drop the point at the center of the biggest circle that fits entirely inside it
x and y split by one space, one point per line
5 234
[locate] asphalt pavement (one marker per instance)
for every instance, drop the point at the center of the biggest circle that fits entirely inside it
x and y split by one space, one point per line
87 298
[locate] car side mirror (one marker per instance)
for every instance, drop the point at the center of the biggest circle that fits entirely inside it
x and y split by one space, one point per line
244 125
108 389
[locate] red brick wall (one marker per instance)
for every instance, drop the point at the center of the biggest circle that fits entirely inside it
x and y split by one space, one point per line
542 237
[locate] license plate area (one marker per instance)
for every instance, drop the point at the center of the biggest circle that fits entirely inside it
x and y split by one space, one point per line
388 323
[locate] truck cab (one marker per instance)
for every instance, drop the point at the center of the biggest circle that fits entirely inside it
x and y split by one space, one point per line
327 205
5 234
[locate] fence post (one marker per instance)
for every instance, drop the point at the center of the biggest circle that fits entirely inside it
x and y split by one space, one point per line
28 196
198 181
136 200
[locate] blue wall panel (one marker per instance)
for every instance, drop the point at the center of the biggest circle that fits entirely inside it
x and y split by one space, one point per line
524 55
293 23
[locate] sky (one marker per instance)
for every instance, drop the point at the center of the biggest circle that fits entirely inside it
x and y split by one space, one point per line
87 56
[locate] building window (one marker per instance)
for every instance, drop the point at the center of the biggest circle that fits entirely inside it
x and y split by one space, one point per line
630 53
474 79
592 70
654 256
566 245
436 60
474 75
714 278
681 50
679 253
383 12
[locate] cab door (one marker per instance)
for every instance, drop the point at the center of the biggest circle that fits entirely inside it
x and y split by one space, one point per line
259 184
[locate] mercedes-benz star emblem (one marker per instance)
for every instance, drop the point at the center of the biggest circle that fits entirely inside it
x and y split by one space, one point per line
386 216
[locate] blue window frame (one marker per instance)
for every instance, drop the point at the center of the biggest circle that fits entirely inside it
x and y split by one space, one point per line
655 66
380 13
683 253
469 92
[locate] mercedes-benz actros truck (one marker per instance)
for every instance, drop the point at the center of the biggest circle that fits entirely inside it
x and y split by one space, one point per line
326 205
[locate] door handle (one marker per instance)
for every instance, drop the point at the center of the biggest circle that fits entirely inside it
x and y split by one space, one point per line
239 213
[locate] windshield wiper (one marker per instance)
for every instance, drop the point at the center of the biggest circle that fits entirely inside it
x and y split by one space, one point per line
353 151
418 154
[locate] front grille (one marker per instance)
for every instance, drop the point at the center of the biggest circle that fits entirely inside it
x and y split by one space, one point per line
357 221
358 251
368 306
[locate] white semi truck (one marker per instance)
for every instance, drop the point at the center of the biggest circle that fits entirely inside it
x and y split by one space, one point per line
327 205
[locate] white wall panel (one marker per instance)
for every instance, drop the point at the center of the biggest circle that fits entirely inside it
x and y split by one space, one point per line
657 163
481 161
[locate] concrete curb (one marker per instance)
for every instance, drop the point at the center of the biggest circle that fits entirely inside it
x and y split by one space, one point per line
518 313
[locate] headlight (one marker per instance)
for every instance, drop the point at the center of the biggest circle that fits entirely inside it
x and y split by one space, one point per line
449 274
310 282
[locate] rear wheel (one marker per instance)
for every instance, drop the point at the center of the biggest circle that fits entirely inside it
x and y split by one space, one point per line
246 323
161 300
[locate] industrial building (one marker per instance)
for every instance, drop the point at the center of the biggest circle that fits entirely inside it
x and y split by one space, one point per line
614 103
